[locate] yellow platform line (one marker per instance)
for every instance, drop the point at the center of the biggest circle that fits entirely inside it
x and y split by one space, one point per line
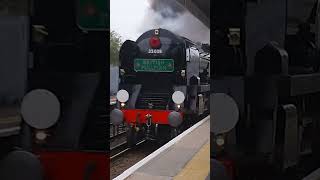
198 167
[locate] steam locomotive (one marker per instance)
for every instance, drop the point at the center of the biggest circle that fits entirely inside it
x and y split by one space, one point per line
52 94
164 85
265 86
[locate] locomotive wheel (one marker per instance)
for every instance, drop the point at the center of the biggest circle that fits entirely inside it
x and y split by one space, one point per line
132 136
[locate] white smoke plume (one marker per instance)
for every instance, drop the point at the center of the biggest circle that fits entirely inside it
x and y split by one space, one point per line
167 14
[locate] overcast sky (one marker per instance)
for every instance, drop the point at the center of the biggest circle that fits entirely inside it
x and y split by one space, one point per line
126 17
131 18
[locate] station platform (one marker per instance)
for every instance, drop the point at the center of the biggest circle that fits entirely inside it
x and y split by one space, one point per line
315 175
185 157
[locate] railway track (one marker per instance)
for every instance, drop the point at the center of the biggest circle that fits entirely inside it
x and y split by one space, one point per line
127 157
117 138
117 135
121 149
117 130
122 157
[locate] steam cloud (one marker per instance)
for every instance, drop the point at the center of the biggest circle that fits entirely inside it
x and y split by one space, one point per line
168 14
166 8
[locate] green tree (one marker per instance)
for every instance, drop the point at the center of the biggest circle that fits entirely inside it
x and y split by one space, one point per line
115 44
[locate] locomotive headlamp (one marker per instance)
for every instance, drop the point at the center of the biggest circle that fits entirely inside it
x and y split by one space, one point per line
220 140
178 107
178 97
122 72
122 104
183 73
41 135
40 109
156 32
122 96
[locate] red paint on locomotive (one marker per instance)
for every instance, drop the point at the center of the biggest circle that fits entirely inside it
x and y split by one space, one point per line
74 165
158 116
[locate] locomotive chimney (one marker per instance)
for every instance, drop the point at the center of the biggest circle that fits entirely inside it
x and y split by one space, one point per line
168 14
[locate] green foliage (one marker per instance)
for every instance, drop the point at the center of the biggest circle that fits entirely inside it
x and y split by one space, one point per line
115 44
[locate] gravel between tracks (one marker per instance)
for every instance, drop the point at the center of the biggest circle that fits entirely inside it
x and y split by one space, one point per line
119 164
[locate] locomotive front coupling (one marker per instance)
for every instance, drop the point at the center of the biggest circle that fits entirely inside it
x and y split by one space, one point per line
173 118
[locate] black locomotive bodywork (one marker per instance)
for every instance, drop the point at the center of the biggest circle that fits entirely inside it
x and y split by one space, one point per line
185 53
267 61
67 64
154 68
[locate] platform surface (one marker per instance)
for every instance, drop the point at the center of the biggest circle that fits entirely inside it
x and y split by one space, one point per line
187 158
315 175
